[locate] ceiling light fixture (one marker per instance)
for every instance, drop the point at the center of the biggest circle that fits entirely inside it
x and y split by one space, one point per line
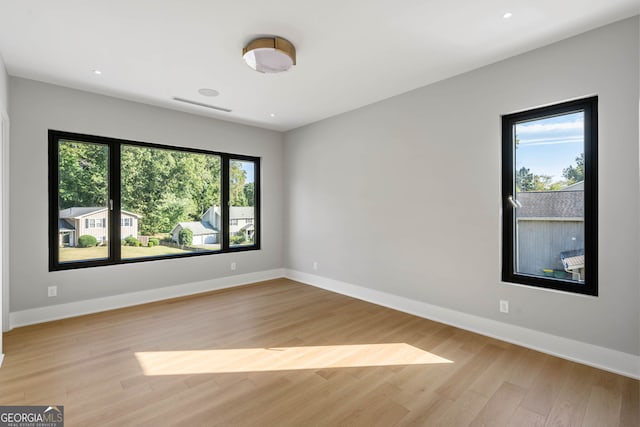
270 55
97 72
507 15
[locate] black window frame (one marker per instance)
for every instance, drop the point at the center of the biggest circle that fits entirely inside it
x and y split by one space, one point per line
114 214
590 285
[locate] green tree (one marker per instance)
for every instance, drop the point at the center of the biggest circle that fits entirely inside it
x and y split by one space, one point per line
249 193
524 180
172 209
528 181
545 183
575 174
197 177
83 177
146 179
185 237
237 179
167 186
164 186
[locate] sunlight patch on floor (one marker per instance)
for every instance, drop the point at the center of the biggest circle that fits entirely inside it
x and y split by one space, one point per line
186 362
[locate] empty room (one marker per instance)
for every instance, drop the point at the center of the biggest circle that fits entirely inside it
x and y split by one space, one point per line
337 213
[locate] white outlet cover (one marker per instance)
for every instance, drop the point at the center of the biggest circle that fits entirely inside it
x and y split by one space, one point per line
504 306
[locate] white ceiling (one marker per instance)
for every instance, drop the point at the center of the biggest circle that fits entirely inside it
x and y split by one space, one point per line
350 52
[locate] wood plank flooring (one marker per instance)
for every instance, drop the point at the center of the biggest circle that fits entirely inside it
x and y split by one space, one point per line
280 353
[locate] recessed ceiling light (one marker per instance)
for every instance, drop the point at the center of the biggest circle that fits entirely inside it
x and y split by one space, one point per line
208 92
97 72
507 15
272 114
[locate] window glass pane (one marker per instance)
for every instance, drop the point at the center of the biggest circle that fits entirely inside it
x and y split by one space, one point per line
114 201
241 203
83 197
549 191
170 202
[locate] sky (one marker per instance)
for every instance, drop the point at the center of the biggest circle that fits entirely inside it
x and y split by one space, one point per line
548 146
248 167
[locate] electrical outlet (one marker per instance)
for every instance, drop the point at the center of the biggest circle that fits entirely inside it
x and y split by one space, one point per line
233 265
52 291
504 306
315 265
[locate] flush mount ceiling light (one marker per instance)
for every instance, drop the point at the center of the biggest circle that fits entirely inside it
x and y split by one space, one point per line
270 55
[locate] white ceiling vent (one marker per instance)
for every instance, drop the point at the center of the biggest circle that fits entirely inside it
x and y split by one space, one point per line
201 104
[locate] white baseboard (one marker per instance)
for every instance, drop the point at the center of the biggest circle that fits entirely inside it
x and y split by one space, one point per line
588 354
72 309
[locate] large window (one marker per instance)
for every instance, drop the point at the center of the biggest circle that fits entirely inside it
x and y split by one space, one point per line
165 201
549 190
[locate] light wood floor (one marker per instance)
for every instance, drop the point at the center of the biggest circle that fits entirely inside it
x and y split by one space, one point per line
279 353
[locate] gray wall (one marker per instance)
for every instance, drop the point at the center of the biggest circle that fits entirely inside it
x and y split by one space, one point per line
403 196
4 87
36 107
4 285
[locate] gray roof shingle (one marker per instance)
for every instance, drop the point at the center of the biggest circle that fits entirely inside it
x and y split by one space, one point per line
241 212
81 211
551 204
64 225
77 212
199 228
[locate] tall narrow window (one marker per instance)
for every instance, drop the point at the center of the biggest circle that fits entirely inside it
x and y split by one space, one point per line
82 201
113 201
242 203
549 191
